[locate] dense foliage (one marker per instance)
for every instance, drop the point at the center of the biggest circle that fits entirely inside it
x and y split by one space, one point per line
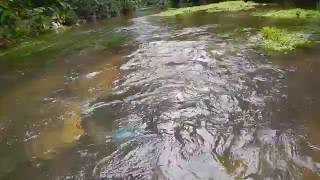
25 18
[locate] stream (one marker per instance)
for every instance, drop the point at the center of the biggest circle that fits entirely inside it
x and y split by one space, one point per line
185 97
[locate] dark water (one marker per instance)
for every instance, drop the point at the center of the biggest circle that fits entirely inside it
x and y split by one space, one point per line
189 97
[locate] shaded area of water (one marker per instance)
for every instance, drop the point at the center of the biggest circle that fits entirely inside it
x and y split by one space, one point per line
188 97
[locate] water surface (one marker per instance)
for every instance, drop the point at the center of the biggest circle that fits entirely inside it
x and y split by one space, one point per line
187 97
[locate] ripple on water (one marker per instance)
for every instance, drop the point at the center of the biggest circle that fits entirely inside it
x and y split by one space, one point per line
207 108
203 105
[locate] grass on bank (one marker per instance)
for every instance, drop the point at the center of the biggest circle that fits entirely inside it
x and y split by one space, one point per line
296 13
280 40
216 7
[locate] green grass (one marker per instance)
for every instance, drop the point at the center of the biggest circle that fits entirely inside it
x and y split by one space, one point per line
280 40
290 14
216 7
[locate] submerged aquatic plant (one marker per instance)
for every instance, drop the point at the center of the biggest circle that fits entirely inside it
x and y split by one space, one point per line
275 39
215 7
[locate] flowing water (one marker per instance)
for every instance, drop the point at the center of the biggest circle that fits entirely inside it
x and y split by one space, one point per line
187 97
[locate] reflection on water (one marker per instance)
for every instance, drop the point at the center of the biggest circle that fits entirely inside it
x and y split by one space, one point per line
193 99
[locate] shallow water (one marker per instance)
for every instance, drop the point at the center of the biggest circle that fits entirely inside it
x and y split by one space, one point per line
187 97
